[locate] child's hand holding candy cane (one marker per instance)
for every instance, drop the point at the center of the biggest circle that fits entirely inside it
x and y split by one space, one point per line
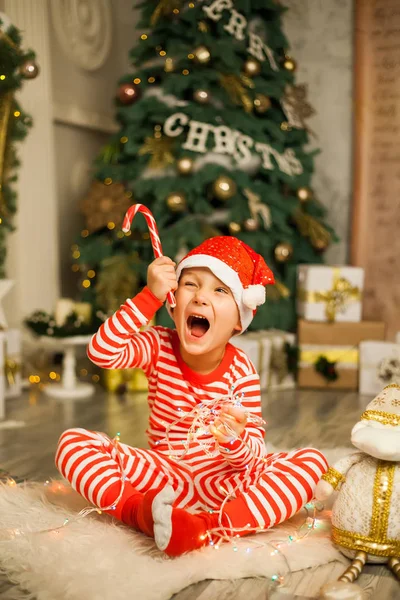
161 277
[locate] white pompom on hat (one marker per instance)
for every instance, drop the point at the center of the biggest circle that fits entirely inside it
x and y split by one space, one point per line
238 266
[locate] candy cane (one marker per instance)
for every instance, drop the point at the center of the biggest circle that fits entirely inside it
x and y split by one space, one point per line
155 238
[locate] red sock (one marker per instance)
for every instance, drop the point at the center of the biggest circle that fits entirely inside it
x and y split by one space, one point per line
177 531
132 509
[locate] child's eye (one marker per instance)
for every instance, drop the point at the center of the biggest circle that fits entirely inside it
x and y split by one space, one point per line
223 290
189 283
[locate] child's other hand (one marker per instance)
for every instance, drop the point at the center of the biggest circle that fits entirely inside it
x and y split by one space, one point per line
161 277
234 418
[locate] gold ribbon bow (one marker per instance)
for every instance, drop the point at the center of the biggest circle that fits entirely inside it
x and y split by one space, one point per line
335 299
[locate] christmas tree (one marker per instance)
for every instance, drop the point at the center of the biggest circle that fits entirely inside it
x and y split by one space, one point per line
15 67
211 138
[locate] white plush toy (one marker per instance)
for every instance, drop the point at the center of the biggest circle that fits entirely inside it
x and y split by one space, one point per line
366 512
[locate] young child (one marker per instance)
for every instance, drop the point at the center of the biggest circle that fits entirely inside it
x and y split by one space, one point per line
218 286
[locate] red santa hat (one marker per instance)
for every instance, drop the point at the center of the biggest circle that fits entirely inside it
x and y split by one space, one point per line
238 266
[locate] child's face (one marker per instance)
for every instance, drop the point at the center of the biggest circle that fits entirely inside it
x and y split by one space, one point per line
201 294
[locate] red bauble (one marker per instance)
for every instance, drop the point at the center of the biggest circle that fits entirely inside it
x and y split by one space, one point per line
128 93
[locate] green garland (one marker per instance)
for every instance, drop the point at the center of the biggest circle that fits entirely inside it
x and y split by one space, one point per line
42 323
16 66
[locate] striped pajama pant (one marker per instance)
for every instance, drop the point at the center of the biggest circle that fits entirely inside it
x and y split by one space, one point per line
268 494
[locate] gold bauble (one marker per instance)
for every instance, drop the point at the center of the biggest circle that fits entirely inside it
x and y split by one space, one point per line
283 252
224 188
251 224
176 202
202 55
234 228
285 126
261 103
29 70
184 165
201 96
252 67
289 64
304 194
320 245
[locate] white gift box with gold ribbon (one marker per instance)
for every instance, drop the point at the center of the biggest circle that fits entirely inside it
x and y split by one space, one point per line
379 366
258 349
327 293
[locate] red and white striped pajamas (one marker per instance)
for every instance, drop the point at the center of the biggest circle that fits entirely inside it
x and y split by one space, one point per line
272 486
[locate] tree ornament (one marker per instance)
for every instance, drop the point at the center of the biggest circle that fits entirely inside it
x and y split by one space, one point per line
310 228
295 106
169 65
321 245
257 207
184 165
105 204
304 194
252 67
128 93
251 224
283 252
234 228
165 8
117 280
176 202
160 148
202 26
29 70
235 86
289 64
285 126
261 103
224 188
202 55
201 96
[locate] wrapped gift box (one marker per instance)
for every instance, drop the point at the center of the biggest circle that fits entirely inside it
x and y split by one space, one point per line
121 381
258 349
338 342
12 363
281 373
330 293
379 366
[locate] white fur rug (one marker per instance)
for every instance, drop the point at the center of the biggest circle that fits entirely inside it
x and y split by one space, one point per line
95 558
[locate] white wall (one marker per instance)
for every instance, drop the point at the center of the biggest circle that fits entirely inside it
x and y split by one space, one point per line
33 248
84 117
320 33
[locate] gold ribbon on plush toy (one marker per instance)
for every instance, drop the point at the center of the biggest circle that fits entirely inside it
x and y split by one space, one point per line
335 299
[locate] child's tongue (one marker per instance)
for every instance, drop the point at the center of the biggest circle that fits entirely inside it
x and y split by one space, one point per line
198 329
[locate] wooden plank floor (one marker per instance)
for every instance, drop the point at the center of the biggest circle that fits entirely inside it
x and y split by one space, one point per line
294 418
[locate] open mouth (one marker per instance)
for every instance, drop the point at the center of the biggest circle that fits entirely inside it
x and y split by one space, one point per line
198 325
